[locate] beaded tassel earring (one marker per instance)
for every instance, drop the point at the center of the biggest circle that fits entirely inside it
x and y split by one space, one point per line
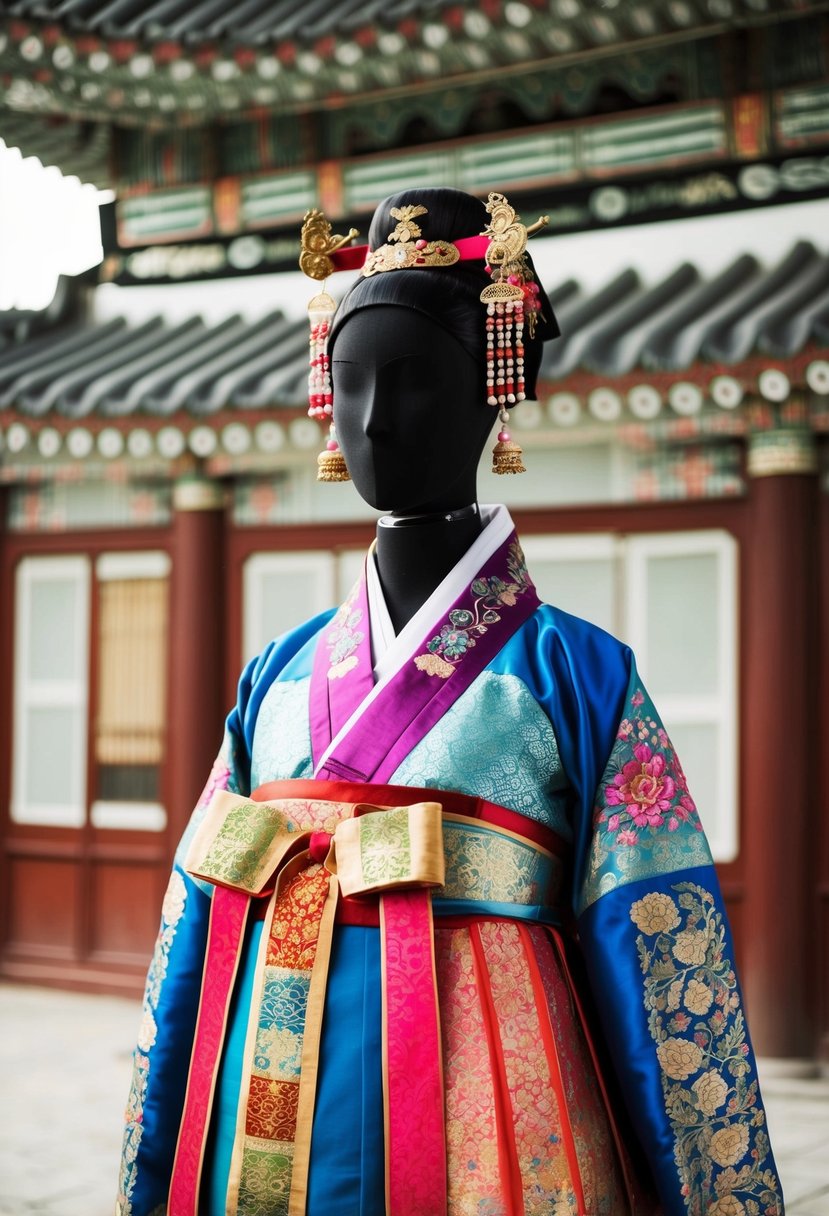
317 243
321 311
511 297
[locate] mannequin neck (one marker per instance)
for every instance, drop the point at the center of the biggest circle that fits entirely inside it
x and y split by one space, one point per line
415 552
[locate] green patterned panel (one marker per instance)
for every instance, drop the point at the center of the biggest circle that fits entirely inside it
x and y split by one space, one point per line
366 183
803 116
657 138
385 854
525 159
167 213
267 200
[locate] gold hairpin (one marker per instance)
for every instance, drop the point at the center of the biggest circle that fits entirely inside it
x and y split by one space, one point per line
317 243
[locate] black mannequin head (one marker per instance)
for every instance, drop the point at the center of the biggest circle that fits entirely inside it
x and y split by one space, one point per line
408 357
410 413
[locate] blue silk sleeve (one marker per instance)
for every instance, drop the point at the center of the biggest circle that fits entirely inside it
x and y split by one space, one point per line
171 997
655 938
162 1055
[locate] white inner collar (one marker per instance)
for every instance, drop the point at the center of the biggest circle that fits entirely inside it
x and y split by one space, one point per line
389 650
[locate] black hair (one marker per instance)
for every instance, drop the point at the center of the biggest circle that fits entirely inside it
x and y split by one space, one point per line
448 296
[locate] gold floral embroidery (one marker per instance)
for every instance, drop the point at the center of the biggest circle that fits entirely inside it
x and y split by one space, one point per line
708 1083
172 910
483 865
655 913
433 665
711 1090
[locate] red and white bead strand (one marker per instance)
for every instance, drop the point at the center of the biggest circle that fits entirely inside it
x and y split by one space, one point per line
320 397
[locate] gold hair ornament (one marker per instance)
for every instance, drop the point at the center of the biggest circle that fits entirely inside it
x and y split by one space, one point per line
512 279
407 249
317 243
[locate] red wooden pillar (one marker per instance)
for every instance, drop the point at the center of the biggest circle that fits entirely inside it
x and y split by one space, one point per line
822 893
196 703
780 767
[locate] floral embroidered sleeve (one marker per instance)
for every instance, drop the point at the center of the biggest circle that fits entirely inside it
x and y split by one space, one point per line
644 820
655 936
169 1012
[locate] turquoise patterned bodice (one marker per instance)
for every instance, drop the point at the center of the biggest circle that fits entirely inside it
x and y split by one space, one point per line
495 742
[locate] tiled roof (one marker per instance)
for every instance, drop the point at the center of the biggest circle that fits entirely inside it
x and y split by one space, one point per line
252 22
154 59
685 318
114 370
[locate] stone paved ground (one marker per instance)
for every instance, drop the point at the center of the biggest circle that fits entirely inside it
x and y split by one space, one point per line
65 1069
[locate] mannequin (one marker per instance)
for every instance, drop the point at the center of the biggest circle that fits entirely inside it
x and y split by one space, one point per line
411 430
444 820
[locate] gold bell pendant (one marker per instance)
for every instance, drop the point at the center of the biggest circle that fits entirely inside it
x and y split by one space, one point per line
331 462
506 455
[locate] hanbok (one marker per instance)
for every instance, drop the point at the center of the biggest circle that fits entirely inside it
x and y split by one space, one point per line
444 936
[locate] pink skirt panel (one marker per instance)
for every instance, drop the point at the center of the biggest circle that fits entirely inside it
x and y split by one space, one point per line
527 1129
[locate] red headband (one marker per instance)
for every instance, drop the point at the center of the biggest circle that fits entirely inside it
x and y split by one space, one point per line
353 257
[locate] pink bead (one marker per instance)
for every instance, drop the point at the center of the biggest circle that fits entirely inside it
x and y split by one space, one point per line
332 445
420 244
514 280
503 436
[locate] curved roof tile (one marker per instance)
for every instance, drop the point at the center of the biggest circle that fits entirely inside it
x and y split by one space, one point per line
113 393
675 341
734 333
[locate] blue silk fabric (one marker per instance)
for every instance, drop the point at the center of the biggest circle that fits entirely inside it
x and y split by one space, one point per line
579 728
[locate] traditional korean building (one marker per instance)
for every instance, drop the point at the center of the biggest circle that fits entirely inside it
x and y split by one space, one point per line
161 520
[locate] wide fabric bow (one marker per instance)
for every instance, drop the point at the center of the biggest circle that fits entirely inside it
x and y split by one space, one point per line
257 847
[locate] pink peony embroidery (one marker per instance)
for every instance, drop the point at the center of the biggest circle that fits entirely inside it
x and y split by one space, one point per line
643 800
644 787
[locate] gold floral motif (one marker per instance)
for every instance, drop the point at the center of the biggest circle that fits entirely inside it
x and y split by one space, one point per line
730 1144
434 665
728 1205
655 913
679 1058
690 947
711 1090
698 997
708 1083
406 229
